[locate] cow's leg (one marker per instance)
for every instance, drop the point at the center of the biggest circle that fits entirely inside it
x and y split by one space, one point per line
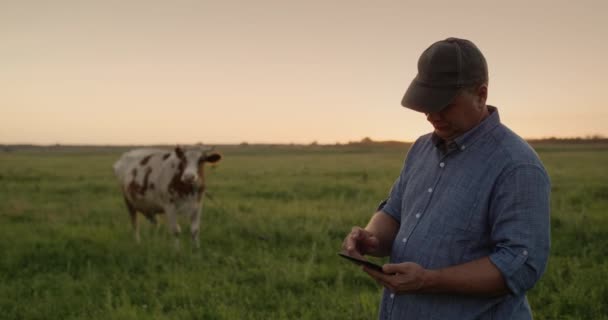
133 215
154 220
174 228
151 216
195 222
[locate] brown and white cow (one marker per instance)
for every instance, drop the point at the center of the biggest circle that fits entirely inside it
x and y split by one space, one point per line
156 181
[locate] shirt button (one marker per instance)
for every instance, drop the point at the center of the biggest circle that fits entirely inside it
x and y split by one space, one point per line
525 252
430 190
442 164
462 147
392 295
417 215
404 240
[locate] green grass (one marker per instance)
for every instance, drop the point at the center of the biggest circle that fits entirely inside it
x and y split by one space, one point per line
269 238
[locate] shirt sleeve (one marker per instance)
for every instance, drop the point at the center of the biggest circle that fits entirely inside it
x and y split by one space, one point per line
382 204
392 204
520 220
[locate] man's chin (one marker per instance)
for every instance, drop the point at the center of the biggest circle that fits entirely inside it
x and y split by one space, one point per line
445 134
442 133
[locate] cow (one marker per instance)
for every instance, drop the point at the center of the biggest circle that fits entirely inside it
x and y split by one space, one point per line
156 181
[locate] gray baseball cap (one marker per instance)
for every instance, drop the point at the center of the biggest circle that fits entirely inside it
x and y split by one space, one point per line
444 69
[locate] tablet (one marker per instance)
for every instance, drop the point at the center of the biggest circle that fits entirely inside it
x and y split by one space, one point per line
358 261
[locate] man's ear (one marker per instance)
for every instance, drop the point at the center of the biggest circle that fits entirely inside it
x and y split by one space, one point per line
482 94
179 152
213 158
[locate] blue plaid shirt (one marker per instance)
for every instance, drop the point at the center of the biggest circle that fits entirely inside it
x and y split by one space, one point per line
485 194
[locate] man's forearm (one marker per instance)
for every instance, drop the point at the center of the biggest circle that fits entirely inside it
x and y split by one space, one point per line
384 228
480 276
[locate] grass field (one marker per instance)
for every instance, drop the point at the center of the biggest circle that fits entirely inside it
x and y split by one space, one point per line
269 237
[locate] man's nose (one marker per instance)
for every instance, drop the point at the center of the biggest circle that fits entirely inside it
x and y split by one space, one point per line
433 116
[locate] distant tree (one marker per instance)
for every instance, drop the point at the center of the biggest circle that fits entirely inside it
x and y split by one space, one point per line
367 140
595 137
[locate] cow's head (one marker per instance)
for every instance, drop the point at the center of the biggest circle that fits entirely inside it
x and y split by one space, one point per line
192 162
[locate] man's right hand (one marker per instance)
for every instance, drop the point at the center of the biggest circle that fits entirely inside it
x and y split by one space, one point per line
360 242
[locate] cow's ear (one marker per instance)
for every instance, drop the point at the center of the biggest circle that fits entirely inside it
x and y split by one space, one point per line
213 158
179 152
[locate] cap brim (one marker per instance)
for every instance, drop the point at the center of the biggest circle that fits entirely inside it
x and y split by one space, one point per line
425 99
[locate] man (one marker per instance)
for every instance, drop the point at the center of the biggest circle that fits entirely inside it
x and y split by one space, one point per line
466 223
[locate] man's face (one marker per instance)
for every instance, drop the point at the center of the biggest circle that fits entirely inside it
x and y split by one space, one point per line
464 112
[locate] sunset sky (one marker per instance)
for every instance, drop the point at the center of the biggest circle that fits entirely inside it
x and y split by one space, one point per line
146 72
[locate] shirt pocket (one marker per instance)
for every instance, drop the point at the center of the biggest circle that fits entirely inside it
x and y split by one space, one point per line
455 207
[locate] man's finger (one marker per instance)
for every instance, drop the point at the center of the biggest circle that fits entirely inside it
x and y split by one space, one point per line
349 241
350 248
356 254
351 244
386 280
391 268
376 274
355 232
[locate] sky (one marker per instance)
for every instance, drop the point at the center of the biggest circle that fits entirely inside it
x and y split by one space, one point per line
271 71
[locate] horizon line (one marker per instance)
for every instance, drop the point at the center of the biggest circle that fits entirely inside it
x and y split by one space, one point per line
366 140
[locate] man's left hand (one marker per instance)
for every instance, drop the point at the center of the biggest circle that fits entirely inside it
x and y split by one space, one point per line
401 278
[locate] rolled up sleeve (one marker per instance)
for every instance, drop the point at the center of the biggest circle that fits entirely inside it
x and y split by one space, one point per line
520 220
392 205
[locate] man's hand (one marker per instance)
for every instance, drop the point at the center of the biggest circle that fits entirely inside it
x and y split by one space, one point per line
478 277
402 277
360 242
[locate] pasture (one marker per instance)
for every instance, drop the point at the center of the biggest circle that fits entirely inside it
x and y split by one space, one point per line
269 236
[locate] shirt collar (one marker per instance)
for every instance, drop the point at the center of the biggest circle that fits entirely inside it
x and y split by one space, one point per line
472 135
